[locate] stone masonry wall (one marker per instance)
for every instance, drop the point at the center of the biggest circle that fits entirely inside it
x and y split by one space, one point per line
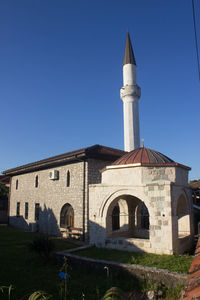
164 277
94 167
51 194
140 175
156 196
153 186
94 176
181 245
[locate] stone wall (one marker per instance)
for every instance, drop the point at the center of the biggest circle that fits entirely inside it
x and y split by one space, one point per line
94 167
137 175
93 176
164 277
157 198
53 194
185 242
160 189
50 194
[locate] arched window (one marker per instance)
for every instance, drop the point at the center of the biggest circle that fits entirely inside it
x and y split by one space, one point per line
115 218
17 184
68 179
67 216
36 181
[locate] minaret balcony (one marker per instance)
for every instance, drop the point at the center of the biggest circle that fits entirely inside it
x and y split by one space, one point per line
130 90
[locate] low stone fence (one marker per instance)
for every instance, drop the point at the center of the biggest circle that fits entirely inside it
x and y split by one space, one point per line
165 277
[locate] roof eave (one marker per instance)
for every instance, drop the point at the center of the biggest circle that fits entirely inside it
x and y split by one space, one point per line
95 151
41 166
174 164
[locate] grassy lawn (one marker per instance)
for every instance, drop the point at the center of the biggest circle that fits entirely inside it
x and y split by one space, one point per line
22 268
27 272
176 263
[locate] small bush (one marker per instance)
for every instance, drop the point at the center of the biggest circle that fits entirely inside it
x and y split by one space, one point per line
42 245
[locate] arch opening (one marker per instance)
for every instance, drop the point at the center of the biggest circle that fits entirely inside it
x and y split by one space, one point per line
67 216
127 217
115 218
183 217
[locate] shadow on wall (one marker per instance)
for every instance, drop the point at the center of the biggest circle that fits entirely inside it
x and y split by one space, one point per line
45 222
99 238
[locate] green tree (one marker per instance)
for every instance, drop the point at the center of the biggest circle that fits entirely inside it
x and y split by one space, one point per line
3 191
193 181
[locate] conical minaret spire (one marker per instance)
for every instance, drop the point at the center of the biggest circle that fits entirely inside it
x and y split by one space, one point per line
130 94
129 57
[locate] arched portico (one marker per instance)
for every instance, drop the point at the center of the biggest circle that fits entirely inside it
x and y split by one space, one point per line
183 217
137 193
126 216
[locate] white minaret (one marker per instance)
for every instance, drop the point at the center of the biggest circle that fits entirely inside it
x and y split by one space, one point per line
130 94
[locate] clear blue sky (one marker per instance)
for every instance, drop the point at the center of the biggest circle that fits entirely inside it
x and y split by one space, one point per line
61 71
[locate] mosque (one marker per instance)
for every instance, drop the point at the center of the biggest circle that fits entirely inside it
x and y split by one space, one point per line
137 199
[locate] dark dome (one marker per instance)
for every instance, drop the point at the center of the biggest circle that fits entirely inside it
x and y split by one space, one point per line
144 156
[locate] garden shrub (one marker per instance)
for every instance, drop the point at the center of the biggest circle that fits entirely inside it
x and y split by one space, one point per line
42 245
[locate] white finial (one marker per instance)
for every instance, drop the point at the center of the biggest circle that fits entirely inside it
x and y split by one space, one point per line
142 143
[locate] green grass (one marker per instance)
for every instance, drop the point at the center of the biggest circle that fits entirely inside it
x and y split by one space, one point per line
176 263
28 273
22 268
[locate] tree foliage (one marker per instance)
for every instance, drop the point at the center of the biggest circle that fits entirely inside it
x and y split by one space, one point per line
3 191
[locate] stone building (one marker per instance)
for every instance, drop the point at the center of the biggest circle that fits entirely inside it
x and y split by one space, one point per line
143 203
51 195
135 200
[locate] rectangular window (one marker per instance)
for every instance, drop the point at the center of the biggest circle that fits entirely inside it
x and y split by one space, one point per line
36 181
18 209
26 210
17 184
68 179
37 211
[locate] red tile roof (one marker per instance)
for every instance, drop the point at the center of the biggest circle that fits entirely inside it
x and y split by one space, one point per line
146 157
